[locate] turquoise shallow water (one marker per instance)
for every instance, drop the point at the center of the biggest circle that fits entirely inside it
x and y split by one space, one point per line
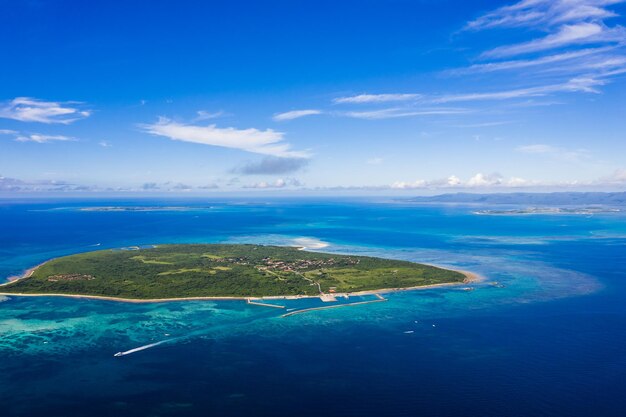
550 342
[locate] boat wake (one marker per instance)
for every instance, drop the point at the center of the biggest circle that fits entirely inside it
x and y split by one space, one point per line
140 348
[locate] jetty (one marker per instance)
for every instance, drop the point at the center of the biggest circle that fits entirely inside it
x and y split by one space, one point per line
258 303
379 299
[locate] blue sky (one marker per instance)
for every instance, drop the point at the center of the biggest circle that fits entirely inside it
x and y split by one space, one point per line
312 96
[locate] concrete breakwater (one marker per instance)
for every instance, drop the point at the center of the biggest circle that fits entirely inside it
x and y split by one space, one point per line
378 300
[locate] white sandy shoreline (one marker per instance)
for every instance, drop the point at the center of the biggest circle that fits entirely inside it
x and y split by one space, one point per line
470 277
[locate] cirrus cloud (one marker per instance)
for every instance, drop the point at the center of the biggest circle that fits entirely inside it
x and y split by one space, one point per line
39 138
394 113
36 137
581 33
376 98
586 85
556 55
26 109
206 115
265 142
541 13
571 155
295 114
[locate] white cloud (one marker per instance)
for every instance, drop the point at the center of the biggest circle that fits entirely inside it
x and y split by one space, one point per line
401 185
266 142
479 180
27 109
376 98
453 180
105 144
567 35
567 68
565 26
375 161
279 183
39 138
585 11
586 85
604 66
205 115
173 187
295 114
482 180
518 182
526 63
394 113
35 137
572 155
541 13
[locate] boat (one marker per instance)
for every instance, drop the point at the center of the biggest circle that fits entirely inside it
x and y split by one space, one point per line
119 354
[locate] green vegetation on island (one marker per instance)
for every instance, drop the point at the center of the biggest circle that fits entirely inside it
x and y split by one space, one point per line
222 270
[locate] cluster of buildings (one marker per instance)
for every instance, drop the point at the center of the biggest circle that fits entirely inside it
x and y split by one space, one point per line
70 277
306 264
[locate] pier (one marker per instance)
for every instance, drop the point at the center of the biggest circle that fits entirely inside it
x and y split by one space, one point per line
379 299
257 303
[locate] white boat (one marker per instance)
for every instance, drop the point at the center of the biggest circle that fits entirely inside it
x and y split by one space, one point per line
119 354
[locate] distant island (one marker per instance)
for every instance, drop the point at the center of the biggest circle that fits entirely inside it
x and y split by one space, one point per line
140 208
587 211
189 271
550 199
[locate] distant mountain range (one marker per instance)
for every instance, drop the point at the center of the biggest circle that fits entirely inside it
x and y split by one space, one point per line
559 198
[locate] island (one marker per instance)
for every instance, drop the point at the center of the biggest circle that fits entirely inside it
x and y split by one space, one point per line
230 271
140 208
586 211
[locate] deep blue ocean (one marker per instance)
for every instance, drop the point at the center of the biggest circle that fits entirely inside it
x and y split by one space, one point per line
548 340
